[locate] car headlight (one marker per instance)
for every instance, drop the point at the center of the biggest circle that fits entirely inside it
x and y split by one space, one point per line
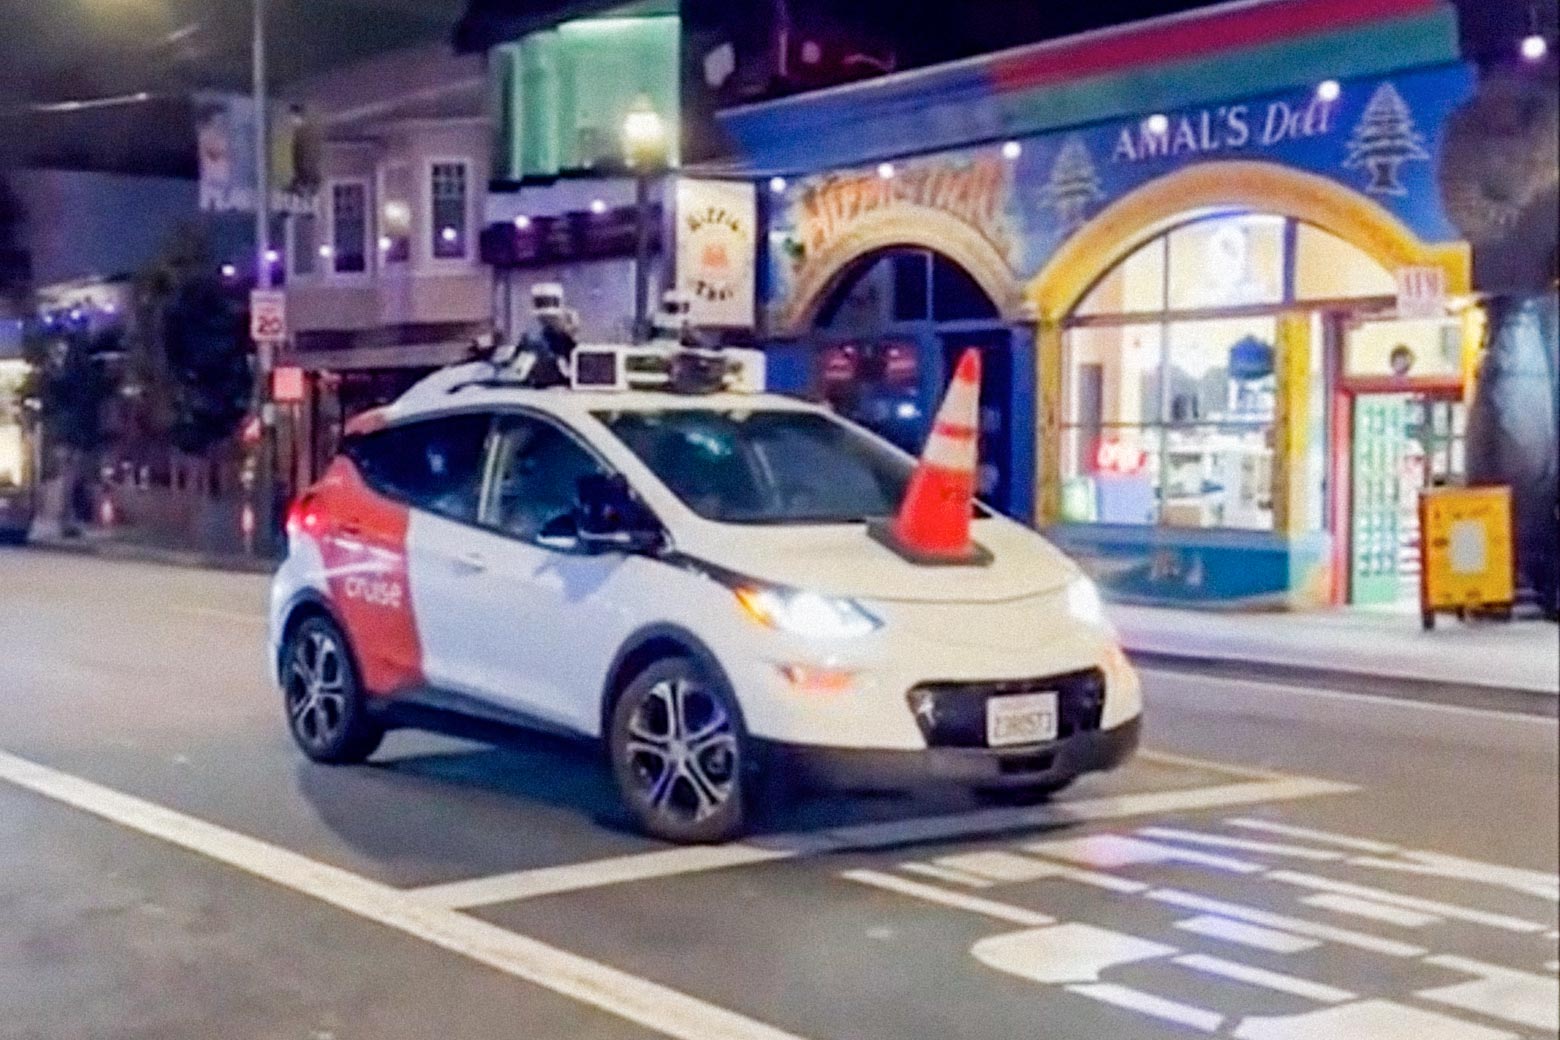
1084 602
807 614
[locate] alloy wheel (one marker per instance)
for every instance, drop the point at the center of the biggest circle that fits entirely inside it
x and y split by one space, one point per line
317 689
682 751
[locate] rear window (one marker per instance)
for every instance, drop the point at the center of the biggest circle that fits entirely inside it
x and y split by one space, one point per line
434 465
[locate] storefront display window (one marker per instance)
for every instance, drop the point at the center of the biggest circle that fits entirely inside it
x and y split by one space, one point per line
1170 382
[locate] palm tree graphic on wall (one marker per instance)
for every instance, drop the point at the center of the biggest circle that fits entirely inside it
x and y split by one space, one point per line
1383 140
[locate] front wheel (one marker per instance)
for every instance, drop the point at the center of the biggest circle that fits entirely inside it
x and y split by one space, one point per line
678 754
326 713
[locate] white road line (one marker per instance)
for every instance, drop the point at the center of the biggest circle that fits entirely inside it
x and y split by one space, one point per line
1343 841
1245 934
1219 841
528 884
1371 910
1000 866
952 877
1435 864
1107 851
1109 882
1317 991
956 900
637 1000
1197 1018
1167 758
1431 906
643 866
1313 929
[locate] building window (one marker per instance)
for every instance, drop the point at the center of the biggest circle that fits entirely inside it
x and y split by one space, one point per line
304 253
395 215
349 227
449 225
1170 386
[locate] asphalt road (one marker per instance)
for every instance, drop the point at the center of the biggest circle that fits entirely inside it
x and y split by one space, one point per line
1282 864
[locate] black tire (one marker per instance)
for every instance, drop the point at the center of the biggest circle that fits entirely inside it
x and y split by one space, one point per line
323 698
684 776
1024 794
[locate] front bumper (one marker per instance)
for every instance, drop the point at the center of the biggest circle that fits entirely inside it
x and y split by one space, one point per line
1046 765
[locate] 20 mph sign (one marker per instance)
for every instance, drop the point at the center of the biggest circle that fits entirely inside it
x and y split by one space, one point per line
267 316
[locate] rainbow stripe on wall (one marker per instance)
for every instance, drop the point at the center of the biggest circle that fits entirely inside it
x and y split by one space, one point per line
1177 61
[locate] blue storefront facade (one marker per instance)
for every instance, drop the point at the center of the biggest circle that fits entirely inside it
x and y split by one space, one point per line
1225 332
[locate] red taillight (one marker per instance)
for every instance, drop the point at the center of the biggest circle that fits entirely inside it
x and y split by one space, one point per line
302 517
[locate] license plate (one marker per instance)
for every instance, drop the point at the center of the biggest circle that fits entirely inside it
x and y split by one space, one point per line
1028 718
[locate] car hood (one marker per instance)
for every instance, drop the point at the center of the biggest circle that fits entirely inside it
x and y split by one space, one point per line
845 560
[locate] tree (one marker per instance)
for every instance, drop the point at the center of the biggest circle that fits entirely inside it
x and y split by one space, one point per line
1073 184
71 379
189 349
1383 140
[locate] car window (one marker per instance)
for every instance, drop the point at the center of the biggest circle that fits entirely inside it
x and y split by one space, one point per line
536 476
435 464
766 467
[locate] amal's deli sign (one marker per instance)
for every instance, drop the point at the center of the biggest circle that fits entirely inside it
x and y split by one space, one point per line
974 192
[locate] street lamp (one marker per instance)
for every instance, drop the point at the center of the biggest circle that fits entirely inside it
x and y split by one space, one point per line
644 150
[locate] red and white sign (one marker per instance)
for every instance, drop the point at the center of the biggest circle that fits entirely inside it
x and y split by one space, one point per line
287 385
1421 292
267 315
1120 458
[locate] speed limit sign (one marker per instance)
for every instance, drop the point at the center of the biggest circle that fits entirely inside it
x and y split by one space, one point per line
267 316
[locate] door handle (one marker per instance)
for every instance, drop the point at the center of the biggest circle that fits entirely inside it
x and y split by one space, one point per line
472 561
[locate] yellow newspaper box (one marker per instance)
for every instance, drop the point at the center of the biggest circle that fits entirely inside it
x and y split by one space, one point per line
1465 549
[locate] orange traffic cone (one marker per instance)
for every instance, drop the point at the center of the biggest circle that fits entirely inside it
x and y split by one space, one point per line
933 525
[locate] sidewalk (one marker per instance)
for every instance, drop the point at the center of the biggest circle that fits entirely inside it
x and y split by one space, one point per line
1519 655
94 542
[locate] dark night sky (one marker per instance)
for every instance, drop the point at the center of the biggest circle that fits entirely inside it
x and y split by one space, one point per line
57 50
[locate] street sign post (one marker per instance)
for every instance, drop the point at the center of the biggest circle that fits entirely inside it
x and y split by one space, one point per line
267 315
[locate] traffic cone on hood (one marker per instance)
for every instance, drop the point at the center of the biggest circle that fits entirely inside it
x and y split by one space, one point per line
933 525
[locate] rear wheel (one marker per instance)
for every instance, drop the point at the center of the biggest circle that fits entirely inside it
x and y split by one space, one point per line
679 753
326 713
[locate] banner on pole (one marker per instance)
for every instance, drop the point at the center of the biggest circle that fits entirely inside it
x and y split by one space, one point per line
225 140
717 251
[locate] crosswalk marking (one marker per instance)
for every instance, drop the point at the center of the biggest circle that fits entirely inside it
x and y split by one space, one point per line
1432 906
1370 910
1113 850
943 897
1343 841
1313 929
1515 996
1256 936
1319 992
1197 1018
953 877
1367 1020
1239 844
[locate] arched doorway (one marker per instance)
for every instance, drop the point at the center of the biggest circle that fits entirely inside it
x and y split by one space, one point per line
886 335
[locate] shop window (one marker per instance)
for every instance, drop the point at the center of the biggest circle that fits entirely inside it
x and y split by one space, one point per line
448 209
1134 286
349 227
1226 261
956 296
395 215
304 254
1328 268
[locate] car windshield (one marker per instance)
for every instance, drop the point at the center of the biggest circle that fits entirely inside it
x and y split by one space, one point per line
766 467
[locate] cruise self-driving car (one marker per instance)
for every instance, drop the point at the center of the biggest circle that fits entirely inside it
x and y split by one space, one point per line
700 581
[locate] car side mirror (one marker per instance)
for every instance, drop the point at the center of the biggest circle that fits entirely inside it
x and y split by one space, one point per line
609 518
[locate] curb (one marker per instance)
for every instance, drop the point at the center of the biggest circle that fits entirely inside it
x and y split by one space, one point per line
1516 700
132 553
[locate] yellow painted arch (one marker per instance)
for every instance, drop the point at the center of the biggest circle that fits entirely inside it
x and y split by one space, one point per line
1136 217
1260 186
904 225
